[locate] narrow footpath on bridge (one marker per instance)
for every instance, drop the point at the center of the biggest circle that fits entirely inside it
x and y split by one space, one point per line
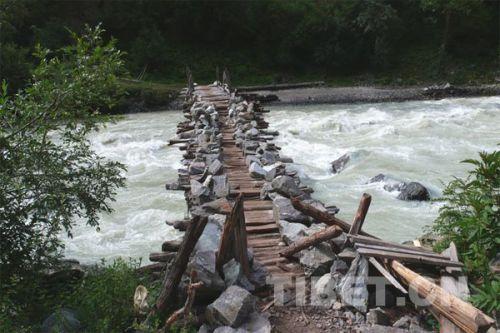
256 242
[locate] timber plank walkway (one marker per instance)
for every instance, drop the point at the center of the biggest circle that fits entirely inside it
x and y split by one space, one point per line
263 235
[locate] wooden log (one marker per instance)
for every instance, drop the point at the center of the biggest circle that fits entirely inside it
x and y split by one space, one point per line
359 218
240 238
175 141
462 314
161 256
316 238
224 254
324 217
173 275
171 245
148 269
407 257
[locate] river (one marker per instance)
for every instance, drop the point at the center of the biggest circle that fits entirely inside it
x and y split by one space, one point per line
420 141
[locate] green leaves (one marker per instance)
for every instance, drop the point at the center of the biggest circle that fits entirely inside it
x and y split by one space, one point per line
49 174
471 219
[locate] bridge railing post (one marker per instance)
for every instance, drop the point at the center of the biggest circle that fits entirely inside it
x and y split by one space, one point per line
233 242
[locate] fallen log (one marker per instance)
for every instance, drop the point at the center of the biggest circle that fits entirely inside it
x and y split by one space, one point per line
357 239
401 250
281 86
461 313
322 216
316 238
171 245
175 141
173 275
161 256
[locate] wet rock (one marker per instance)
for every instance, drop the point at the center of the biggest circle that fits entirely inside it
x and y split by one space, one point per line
340 163
215 167
285 159
256 171
291 232
274 170
284 210
317 259
197 168
378 178
232 308
198 190
204 264
286 186
377 316
353 286
63 320
181 225
414 191
268 158
66 271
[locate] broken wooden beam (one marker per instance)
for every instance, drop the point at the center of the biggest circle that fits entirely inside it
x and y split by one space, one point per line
161 256
412 258
461 313
316 238
357 239
323 216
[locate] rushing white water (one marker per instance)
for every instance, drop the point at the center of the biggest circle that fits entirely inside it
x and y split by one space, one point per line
417 141
137 226
420 141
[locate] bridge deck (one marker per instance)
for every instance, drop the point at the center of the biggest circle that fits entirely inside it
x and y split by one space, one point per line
262 230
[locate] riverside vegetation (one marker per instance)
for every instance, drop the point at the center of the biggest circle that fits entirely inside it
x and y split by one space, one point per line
49 176
341 42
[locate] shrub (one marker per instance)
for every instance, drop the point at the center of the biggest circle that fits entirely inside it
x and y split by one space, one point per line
471 219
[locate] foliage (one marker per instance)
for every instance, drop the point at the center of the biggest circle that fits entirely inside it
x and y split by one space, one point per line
49 175
487 296
471 219
104 299
275 40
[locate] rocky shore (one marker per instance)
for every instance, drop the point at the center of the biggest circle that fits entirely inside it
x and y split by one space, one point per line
340 95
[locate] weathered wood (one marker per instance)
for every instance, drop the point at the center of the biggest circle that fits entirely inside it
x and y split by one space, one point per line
407 257
373 241
161 256
462 314
173 275
316 238
387 275
241 239
171 245
401 250
455 285
360 216
322 216
280 86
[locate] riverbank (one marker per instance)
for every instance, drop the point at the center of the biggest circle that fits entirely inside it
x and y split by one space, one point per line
344 95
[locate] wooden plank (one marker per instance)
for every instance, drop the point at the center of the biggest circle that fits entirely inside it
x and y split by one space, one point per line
374 241
387 275
400 250
408 257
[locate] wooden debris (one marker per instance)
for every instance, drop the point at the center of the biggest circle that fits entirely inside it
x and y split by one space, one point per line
316 238
387 275
413 258
161 256
461 313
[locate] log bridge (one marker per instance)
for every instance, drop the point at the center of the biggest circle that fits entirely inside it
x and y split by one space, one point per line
233 170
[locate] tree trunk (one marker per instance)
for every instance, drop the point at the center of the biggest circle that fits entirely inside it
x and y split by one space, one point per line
316 238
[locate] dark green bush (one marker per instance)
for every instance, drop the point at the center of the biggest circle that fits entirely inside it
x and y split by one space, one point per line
471 219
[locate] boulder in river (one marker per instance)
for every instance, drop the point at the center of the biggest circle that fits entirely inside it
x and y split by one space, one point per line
284 210
414 191
340 163
286 186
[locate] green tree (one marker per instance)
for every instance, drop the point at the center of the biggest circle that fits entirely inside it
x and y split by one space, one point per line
49 174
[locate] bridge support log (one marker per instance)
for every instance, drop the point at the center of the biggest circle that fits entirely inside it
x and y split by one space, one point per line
316 238
174 274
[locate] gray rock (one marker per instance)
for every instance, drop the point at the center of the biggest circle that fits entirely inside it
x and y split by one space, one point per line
414 191
378 178
256 171
220 186
204 329
210 238
353 286
266 191
232 308
197 168
249 159
66 271
285 159
340 163
268 158
215 167
377 316
286 186
284 210
317 259
291 232
233 275
225 329
257 323
274 170
204 264
258 275
403 322
198 190
325 287
62 321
